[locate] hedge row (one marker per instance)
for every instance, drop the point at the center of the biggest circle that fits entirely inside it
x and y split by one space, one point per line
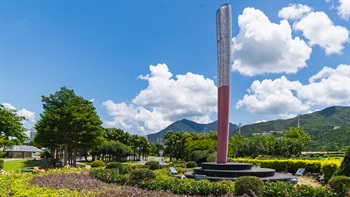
313 166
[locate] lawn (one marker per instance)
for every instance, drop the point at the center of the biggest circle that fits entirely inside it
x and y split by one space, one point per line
18 164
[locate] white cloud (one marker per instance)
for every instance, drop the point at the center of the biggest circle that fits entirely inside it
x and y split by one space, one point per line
328 87
265 47
164 101
260 121
320 30
286 98
9 106
344 9
29 115
294 11
273 98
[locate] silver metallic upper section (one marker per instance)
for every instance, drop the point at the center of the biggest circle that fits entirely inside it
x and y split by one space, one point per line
224 39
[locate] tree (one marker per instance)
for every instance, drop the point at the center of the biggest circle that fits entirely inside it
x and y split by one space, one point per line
297 134
175 144
69 122
114 151
11 128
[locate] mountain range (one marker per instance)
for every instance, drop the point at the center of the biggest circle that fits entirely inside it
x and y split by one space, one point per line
188 126
329 129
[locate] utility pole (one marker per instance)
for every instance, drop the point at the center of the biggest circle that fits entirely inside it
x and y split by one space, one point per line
239 128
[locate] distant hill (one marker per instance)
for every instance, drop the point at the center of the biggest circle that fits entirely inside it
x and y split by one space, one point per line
326 128
329 129
185 125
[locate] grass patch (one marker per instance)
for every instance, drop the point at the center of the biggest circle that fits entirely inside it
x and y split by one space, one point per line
19 164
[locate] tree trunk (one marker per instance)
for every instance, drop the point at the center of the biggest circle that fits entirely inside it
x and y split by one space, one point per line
74 156
65 154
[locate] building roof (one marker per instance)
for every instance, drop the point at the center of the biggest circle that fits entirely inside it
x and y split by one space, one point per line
22 148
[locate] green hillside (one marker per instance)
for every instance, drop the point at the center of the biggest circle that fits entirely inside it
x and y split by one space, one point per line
322 126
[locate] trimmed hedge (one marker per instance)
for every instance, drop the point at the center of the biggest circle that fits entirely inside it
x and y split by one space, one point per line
293 164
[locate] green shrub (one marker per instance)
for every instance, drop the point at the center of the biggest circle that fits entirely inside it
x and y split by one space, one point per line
1 163
249 184
328 169
181 164
212 157
340 184
345 165
97 163
189 187
140 175
111 165
108 176
279 188
191 164
152 165
199 156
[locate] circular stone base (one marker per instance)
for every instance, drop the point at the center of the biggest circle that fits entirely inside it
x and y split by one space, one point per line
231 171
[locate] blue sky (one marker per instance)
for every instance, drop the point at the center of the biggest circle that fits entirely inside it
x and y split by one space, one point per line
146 64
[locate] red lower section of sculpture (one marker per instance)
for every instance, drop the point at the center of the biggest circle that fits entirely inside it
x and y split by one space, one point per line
223 123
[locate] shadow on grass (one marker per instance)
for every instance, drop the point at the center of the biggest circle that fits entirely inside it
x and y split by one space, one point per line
31 163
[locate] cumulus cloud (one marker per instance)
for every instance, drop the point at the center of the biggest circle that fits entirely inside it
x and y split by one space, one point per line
344 9
165 100
9 106
265 47
328 87
320 30
286 98
273 97
294 11
29 115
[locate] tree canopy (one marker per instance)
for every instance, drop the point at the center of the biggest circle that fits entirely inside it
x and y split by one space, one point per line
11 128
69 122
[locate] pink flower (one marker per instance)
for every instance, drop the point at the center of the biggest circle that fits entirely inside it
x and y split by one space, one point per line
142 182
328 186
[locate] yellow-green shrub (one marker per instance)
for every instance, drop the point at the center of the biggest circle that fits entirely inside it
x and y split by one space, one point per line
292 164
328 169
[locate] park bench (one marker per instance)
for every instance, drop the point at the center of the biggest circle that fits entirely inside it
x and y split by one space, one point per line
172 170
300 172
